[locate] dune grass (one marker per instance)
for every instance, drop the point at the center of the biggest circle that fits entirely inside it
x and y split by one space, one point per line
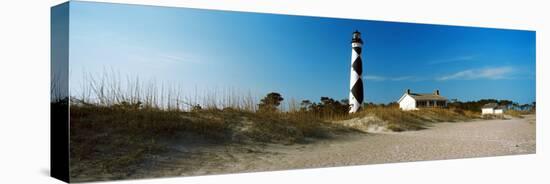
517 113
110 138
121 135
116 125
399 120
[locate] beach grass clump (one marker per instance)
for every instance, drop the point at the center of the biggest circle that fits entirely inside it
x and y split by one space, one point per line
446 114
121 136
517 113
109 138
399 120
117 123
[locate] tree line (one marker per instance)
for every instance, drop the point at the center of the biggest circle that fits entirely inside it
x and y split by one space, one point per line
476 105
330 106
326 106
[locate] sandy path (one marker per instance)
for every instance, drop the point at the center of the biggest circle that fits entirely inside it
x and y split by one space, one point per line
442 141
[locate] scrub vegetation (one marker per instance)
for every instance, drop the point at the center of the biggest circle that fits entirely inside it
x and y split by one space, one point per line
116 127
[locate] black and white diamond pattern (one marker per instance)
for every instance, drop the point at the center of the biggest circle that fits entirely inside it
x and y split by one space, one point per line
356 84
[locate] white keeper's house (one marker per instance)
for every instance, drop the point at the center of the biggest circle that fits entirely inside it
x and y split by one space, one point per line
414 101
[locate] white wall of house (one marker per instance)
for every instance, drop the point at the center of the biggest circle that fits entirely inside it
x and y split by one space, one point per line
499 111
407 103
487 111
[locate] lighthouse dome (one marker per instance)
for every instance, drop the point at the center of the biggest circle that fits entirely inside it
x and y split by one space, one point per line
356 38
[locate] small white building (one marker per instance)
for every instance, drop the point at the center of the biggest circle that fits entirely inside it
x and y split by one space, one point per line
492 109
414 101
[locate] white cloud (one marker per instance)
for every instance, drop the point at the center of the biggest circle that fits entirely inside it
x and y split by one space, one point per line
494 73
176 58
374 78
138 52
486 73
403 78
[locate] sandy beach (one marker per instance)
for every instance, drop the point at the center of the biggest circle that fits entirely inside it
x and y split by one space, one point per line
479 138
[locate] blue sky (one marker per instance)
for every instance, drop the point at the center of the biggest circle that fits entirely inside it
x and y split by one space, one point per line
299 57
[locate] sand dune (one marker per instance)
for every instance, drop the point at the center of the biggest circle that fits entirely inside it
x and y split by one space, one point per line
441 141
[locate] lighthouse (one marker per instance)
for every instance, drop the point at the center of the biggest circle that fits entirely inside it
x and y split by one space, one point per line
356 84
